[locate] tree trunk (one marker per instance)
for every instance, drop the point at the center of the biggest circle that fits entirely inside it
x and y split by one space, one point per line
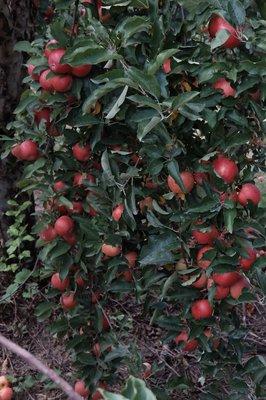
16 23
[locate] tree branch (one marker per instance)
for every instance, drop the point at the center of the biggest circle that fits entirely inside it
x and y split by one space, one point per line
39 366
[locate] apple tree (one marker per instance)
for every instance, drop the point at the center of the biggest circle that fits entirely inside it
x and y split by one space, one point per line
141 134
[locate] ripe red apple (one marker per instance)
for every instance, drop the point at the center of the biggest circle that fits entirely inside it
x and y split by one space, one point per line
68 301
203 263
58 283
64 225
221 292
201 282
237 288
80 152
131 258
225 86
96 350
247 262
111 251
226 279
54 62
218 23
200 177
201 309
92 212
80 281
48 50
79 177
62 83
206 235
167 66
128 276
249 193
77 207
4 382
15 151
46 83
81 389
225 168
48 234
117 212
190 345
71 239
28 150
59 186
81 70
188 181
6 393
97 395
43 114
34 76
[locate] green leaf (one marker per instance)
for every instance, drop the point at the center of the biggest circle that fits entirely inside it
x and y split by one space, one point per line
155 65
144 81
25 101
173 169
60 249
91 54
100 92
144 128
136 390
58 32
116 107
220 38
112 396
32 168
237 11
158 249
25 46
132 25
106 165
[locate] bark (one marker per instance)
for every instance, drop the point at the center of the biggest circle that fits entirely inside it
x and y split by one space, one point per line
16 23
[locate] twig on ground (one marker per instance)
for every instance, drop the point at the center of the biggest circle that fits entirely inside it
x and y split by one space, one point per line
38 365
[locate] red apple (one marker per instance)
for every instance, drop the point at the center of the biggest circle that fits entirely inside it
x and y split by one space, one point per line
54 62
81 153
249 193
117 212
111 251
188 182
203 263
225 168
64 225
48 234
68 301
46 83
247 262
201 282
225 86
28 150
167 66
81 389
43 114
190 345
237 288
206 235
201 309
59 186
62 83
81 70
131 258
58 283
48 50
218 23
6 393
226 279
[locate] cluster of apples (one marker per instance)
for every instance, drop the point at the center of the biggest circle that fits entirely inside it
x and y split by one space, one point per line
59 76
216 24
226 283
227 170
6 392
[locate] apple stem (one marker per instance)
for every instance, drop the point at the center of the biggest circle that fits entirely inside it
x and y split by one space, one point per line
39 366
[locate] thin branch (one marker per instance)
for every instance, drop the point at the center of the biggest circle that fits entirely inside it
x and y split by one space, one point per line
39 366
76 17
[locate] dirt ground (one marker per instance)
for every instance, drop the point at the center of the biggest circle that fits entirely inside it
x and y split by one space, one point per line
19 324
